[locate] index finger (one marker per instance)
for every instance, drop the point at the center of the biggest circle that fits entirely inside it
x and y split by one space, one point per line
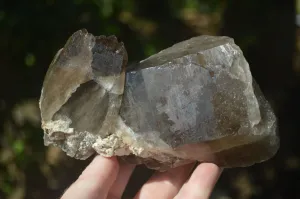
95 181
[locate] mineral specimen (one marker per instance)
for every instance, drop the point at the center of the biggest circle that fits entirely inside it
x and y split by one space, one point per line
194 101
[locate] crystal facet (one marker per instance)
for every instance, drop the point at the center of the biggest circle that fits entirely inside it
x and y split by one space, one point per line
82 93
194 101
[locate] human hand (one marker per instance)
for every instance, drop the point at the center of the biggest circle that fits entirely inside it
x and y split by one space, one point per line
105 178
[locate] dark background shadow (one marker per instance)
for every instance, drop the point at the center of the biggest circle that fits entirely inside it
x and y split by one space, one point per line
32 31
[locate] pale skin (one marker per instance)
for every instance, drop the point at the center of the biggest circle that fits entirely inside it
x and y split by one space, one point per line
106 178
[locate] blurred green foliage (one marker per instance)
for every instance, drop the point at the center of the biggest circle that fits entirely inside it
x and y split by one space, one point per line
31 32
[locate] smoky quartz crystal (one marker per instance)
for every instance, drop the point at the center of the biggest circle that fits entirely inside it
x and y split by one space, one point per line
194 101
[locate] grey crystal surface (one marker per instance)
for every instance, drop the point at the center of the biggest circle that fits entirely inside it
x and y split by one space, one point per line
197 99
194 101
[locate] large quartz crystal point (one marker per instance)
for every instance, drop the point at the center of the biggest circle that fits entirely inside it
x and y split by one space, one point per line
198 101
195 101
82 93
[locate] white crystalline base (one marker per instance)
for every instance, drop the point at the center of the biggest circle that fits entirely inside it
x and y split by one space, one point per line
122 142
125 142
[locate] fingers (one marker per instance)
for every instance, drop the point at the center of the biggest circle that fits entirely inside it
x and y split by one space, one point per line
119 185
95 181
104 178
166 184
201 183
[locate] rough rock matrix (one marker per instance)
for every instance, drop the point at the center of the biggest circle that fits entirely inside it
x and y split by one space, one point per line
193 101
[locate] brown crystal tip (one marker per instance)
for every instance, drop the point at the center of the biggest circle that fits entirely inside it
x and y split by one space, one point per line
82 92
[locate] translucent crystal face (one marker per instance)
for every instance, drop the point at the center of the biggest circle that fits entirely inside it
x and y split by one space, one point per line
82 93
196 100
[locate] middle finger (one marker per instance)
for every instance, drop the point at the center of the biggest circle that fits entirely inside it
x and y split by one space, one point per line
165 184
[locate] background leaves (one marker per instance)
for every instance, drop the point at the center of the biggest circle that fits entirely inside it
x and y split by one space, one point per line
31 32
